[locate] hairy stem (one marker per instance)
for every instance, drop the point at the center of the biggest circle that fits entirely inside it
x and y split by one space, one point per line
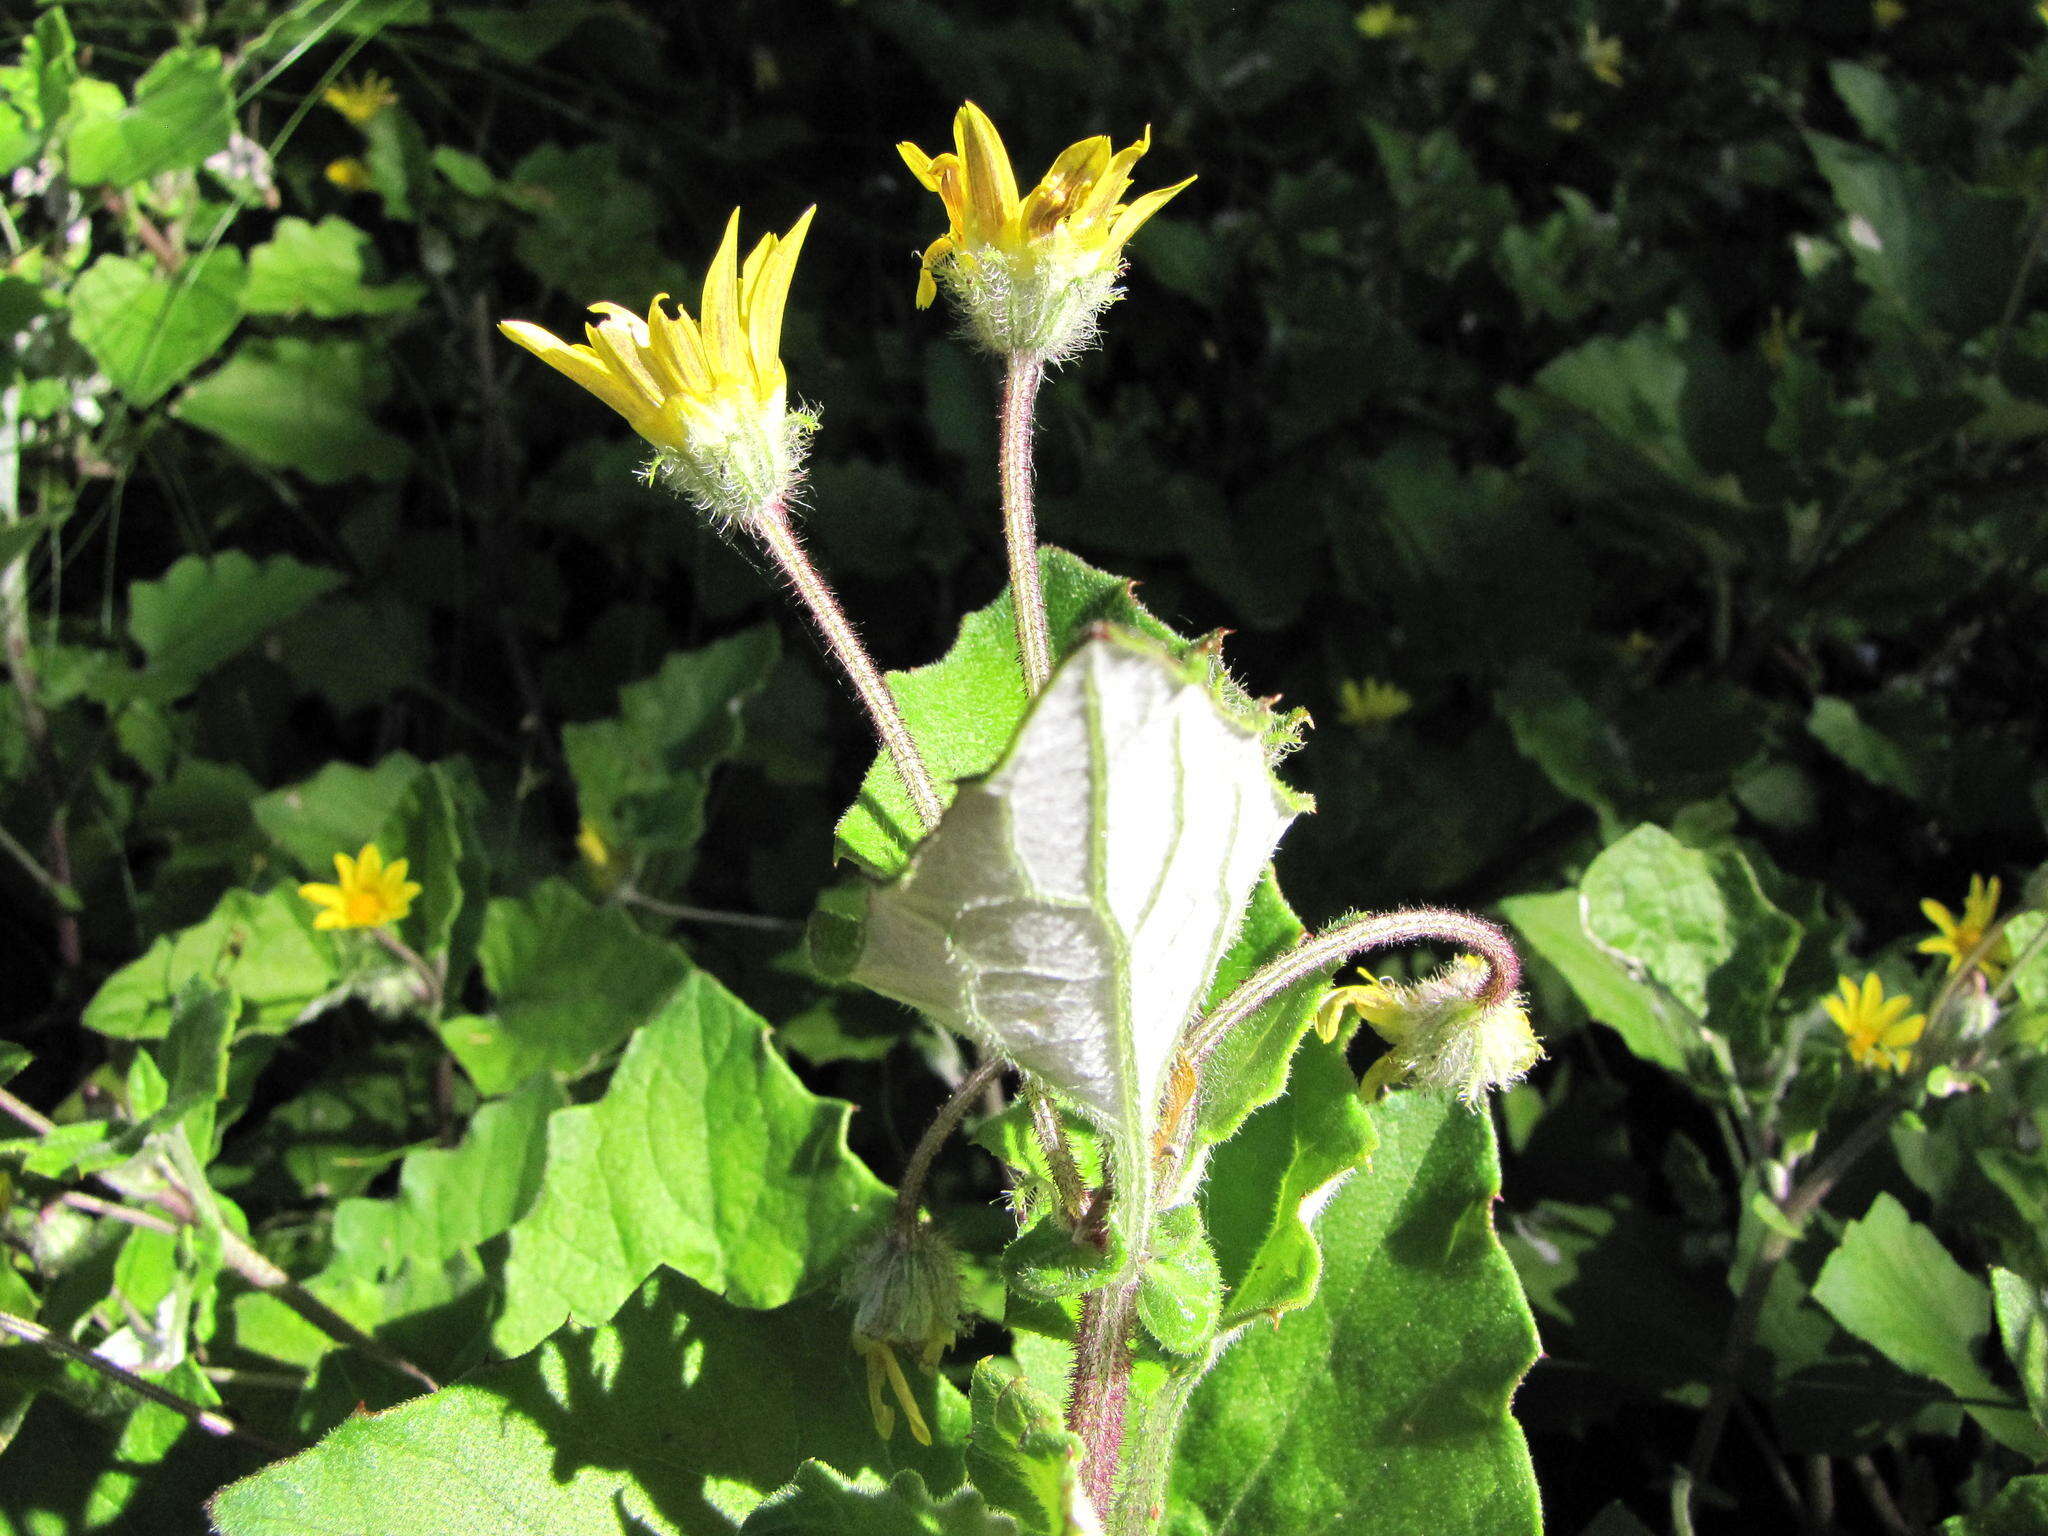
1101 1386
1352 937
1772 1250
1059 1153
205 1418
910 1191
771 525
1025 372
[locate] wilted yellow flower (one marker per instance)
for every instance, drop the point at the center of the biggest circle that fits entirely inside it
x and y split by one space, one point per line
361 99
1378 21
1958 936
1439 1034
351 175
1031 273
905 1289
1368 702
1602 55
709 393
1878 1027
368 893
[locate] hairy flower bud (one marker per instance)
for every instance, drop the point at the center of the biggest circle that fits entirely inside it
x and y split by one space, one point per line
905 1290
1440 1034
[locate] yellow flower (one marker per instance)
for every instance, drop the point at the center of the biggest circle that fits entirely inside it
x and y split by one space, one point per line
1887 13
1369 702
1878 1027
1572 122
368 893
709 393
1031 273
1378 21
1602 55
361 99
351 175
1439 1034
591 844
1958 936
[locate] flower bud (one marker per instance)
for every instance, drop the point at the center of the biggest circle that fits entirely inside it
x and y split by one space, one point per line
905 1290
1440 1034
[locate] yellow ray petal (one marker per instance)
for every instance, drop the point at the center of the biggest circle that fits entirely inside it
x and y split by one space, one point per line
719 316
1133 218
768 293
575 362
991 184
920 165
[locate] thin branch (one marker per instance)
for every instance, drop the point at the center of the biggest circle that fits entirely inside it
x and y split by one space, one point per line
1025 372
205 1418
910 1191
678 912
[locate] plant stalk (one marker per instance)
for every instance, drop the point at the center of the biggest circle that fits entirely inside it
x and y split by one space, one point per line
1021 378
910 1191
771 525
205 1418
1354 936
1100 1390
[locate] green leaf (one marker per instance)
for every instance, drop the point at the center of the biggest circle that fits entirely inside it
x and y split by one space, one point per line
425 829
182 113
148 331
1892 1284
642 777
1836 725
2023 1324
298 404
207 609
1321 1424
1266 1183
965 708
1021 1457
1180 1290
194 1060
1071 907
262 947
1655 901
820 1502
571 982
1248 1066
337 810
1644 1018
317 269
415 1253
676 1420
706 1155
2020 1509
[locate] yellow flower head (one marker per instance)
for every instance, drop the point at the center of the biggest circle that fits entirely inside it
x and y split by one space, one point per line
1603 56
1383 20
710 394
367 893
1958 936
1878 1028
1439 1034
351 175
1369 702
905 1290
361 99
1031 273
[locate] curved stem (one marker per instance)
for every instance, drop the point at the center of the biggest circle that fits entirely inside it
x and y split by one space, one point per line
772 527
910 1193
1354 936
1024 374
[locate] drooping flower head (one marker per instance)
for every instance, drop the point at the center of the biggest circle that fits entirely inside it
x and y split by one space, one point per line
362 99
1440 1032
1878 1030
1957 936
367 893
1030 273
905 1290
710 394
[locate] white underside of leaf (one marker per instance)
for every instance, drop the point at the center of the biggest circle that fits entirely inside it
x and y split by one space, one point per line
1071 908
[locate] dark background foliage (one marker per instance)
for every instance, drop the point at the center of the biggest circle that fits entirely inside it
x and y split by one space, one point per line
1655 394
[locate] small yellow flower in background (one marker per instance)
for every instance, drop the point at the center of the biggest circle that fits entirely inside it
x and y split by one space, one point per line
367 893
1031 273
1957 936
1368 702
361 99
596 851
1603 56
1379 21
1572 122
1878 1028
1439 1034
351 175
1887 13
710 394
